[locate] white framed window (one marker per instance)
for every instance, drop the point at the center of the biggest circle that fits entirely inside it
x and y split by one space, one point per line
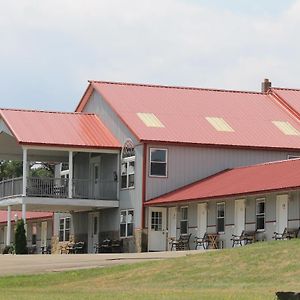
260 214
221 217
127 172
184 220
126 223
158 162
64 229
128 165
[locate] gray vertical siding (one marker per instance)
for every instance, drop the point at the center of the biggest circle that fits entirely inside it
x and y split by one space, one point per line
250 217
189 164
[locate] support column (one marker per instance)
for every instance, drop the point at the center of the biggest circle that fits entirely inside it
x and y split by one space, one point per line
25 173
24 212
8 231
118 176
70 194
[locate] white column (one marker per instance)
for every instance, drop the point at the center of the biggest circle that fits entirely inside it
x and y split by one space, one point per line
118 174
8 231
70 194
25 173
24 212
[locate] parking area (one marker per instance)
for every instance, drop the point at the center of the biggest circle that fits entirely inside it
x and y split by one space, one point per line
34 264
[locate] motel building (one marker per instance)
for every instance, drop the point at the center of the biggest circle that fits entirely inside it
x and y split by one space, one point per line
147 164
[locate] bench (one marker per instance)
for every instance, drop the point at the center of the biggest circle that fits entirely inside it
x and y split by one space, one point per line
247 237
109 246
201 241
183 243
288 234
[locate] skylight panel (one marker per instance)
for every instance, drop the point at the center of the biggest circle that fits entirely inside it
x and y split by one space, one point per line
150 120
286 128
219 124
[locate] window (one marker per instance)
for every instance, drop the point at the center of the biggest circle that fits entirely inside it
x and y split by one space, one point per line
127 173
156 220
158 162
64 229
33 232
260 214
128 165
184 220
126 223
221 217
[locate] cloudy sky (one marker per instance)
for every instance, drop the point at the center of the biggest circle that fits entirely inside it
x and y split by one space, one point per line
49 49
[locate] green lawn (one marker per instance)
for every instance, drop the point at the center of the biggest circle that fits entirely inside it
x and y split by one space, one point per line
251 272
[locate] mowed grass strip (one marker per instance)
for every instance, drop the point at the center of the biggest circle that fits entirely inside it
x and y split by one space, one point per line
251 272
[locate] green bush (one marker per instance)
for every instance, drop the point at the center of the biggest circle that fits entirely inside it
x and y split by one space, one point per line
20 238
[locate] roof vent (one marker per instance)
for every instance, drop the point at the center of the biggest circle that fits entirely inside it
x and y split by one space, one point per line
266 85
219 124
150 120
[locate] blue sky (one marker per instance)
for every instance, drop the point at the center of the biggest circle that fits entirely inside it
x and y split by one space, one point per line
49 49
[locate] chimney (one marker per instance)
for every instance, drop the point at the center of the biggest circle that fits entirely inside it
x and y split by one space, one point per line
266 85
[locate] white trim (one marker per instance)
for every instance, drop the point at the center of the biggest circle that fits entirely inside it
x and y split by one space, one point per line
24 171
66 149
166 162
70 191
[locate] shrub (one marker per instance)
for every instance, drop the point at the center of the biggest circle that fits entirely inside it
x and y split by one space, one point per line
20 238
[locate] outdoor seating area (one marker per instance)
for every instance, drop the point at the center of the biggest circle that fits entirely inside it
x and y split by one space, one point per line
73 248
246 237
109 246
183 243
287 234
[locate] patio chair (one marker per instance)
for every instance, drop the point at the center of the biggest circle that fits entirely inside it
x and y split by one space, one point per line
201 241
183 243
247 237
79 247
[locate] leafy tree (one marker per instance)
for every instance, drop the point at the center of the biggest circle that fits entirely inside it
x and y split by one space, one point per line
20 238
10 169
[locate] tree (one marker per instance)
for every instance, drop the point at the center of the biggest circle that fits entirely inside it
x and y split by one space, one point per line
10 169
20 238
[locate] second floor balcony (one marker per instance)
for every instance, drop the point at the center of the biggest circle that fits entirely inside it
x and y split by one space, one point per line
59 188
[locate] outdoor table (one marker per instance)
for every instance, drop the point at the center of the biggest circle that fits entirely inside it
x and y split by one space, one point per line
212 240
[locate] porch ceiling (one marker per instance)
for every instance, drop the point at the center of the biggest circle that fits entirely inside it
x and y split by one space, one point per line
57 204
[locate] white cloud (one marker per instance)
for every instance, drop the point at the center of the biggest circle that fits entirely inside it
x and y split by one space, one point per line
49 49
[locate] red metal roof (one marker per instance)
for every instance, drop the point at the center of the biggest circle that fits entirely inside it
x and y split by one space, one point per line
239 181
29 215
289 98
183 112
58 129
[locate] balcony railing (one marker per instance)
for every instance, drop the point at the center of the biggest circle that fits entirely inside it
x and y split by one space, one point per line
59 188
11 187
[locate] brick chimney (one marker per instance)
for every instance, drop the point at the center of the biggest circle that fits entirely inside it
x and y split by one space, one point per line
266 85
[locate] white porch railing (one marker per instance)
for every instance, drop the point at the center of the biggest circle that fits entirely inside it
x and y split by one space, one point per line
58 188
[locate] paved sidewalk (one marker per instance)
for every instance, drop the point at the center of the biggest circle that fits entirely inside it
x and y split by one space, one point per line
33 264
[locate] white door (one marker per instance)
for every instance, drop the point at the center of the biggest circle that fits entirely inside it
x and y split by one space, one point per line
201 219
44 234
281 213
239 216
172 223
93 231
157 229
96 180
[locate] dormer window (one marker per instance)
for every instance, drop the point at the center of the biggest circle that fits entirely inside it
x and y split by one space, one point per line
128 165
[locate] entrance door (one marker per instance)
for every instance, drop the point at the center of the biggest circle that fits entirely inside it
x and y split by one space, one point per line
157 229
93 231
201 219
281 212
172 223
96 180
239 216
44 234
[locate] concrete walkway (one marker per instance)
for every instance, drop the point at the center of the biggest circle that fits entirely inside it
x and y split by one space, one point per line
33 264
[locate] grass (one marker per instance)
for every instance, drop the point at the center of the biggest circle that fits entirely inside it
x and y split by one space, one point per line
252 272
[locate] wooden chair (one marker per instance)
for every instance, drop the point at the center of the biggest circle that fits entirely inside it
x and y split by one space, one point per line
183 243
201 241
288 234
